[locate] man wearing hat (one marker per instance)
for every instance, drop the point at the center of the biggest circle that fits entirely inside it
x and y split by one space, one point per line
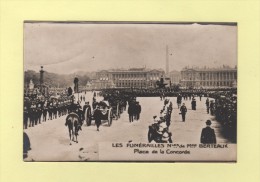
183 110
131 111
212 107
97 115
32 114
207 105
138 110
88 108
208 134
193 104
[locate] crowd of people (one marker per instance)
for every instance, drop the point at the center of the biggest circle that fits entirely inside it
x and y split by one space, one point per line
38 109
159 132
224 108
221 104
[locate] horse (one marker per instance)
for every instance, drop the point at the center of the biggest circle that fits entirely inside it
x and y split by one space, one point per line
72 121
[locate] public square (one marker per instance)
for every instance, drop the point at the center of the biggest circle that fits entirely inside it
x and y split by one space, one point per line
50 140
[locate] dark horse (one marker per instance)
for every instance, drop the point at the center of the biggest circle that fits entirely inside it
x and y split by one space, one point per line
72 121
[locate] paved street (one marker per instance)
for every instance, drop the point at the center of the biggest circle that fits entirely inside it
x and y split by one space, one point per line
50 140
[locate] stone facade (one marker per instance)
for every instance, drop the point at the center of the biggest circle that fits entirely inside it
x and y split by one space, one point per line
209 77
175 77
127 78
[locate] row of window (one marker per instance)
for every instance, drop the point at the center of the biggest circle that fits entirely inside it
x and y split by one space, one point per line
224 83
211 76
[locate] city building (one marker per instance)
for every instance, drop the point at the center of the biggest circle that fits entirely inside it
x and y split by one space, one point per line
209 77
127 78
175 77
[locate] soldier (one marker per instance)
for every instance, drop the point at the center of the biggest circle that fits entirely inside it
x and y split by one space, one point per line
59 109
131 111
179 98
212 107
200 95
138 109
44 112
193 104
80 114
50 110
55 110
32 113
25 117
208 134
207 105
39 114
183 110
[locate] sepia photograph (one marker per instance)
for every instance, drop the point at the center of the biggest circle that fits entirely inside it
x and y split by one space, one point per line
130 91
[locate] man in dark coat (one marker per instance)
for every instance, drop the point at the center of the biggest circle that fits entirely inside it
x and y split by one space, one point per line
193 104
183 110
131 111
32 114
97 116
26 145
85 107
212 107
39 113
25 117
179 98
50 111
208 134
138 110
44 112
207 105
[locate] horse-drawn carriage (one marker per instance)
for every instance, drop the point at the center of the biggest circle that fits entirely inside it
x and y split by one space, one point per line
102 107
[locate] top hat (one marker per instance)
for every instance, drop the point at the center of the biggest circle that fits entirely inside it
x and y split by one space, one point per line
208 122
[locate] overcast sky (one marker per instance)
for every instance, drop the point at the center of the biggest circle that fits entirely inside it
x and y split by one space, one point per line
68 48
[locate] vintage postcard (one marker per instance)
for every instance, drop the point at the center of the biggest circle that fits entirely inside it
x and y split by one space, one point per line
130 91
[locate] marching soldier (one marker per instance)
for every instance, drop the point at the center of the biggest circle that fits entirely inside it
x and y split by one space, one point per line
179 98
138 109
200 95
44 112
32 113
50 111
183 110
39 113
25 117
59 109
207 105
131 111
212 107
193 104
55 110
